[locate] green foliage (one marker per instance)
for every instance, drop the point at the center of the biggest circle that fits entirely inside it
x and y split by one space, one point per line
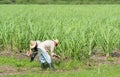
79 28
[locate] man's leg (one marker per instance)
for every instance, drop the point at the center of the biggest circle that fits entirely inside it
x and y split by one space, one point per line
48 59
42 61
33 56
44 56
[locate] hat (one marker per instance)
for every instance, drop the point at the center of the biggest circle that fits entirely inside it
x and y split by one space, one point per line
56 41
32 44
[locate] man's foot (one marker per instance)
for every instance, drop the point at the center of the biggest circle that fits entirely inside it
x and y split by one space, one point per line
51 67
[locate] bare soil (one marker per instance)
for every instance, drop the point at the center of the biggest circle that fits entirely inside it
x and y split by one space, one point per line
114 58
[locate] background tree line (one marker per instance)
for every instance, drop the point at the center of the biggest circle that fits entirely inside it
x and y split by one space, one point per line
59 1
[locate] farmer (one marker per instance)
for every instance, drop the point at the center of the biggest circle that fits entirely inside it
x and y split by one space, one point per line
42 49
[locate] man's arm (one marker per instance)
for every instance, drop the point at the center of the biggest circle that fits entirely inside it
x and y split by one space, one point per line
32 55
29 52
54 54
52 51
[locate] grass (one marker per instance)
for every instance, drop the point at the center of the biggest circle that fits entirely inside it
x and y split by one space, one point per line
101 71
69 68
25 63
12 61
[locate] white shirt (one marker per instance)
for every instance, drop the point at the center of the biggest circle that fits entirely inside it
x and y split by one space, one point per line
46 46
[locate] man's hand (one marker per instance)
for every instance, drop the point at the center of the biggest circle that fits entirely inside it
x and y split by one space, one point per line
56 56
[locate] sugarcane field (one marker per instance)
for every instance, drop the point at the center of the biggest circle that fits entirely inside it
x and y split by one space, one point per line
59 40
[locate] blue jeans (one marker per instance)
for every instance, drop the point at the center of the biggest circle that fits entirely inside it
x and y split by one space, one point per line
44 56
